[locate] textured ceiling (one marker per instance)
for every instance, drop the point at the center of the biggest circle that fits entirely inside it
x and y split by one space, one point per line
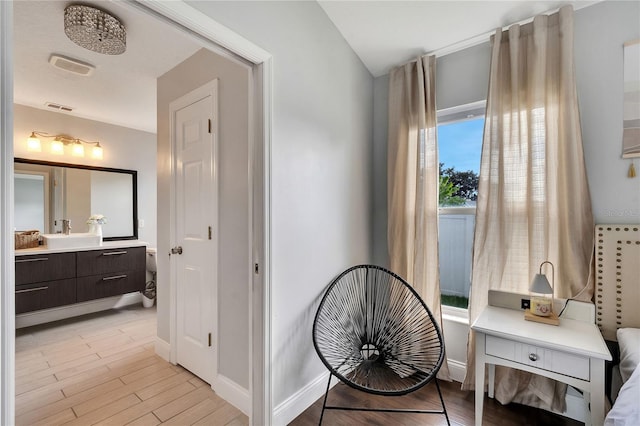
122 90
388 33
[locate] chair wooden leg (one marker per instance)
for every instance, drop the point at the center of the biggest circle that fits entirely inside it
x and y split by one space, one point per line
324 402
444 409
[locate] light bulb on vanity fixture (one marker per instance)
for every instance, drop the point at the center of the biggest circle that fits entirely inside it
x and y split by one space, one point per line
96 152
33 143
60 141
57 147
78 149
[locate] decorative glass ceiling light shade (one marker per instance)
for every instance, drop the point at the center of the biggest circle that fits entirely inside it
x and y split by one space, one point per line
95 30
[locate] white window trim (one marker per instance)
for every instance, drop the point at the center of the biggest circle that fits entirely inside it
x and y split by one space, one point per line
459 113
457 210
453 314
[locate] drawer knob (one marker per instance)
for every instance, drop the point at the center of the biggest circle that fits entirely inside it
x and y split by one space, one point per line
533 357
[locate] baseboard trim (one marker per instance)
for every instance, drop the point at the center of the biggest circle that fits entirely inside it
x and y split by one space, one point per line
68 311
293 406
233 393
163 349
457 370
226 388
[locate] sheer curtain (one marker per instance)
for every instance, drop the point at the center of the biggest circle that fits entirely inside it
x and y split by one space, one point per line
413 179
533 197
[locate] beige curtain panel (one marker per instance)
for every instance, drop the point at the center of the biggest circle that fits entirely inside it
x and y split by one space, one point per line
533 197
413 179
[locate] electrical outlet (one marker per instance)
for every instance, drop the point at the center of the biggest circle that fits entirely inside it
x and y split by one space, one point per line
525 303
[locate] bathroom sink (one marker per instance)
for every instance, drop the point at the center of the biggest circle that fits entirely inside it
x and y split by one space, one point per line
62 241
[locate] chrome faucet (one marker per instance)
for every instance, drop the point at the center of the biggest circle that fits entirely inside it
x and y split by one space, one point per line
66 226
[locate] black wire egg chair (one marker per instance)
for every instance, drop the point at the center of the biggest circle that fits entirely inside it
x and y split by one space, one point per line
375 334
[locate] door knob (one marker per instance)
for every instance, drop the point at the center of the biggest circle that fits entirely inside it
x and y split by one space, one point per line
176 250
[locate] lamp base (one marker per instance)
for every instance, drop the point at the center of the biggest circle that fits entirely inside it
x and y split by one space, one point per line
551 319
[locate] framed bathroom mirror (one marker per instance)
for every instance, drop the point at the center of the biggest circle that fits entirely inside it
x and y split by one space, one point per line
47 192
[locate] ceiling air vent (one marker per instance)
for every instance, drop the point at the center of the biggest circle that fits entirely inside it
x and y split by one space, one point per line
71 65
59 107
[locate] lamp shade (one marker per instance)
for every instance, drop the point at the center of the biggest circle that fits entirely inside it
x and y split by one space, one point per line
77 150
97 152
541 285
57 147
33 143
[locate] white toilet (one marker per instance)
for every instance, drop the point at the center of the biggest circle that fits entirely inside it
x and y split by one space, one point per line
152 267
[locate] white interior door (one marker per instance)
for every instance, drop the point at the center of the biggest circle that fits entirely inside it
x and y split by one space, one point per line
195 251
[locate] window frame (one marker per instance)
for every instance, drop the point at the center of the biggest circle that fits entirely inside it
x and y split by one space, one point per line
456 114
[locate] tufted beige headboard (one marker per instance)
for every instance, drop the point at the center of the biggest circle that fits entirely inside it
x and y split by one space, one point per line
617 292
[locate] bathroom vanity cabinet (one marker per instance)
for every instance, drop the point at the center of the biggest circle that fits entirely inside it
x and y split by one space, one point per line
48 279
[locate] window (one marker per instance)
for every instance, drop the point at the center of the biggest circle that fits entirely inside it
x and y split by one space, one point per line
460 132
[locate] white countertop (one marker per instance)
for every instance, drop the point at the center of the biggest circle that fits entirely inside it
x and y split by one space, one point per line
105 245
583 337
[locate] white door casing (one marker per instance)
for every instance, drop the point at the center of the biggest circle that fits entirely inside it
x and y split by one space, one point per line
194 131
215 35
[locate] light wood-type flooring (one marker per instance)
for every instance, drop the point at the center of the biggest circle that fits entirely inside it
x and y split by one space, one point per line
460 408
102 369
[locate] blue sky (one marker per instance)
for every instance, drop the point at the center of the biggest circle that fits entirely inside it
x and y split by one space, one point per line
460 144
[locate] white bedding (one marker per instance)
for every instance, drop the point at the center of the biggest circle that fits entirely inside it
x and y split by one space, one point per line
626 410
629 342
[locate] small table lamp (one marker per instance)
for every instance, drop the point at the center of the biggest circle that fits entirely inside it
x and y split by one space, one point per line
541 307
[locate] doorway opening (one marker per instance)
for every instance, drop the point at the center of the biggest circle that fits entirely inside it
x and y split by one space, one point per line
205 29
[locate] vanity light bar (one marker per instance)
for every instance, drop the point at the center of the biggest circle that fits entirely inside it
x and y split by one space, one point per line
60 141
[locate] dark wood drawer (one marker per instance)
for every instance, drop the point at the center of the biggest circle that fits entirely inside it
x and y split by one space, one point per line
112 284
99 262
36 296
45 267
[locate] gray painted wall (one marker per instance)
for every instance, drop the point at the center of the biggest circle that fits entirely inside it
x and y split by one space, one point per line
600 32
321 168
233 203
381 127
463 77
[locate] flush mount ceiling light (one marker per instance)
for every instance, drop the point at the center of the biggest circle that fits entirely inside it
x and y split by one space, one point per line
95 29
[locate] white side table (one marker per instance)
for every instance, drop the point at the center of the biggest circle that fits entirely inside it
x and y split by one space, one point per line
573 352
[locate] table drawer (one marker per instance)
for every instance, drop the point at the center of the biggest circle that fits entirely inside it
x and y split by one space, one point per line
33 297
45 267
98 262
559 362
106 285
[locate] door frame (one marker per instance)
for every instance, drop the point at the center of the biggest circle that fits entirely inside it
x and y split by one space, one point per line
7 275
215 36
